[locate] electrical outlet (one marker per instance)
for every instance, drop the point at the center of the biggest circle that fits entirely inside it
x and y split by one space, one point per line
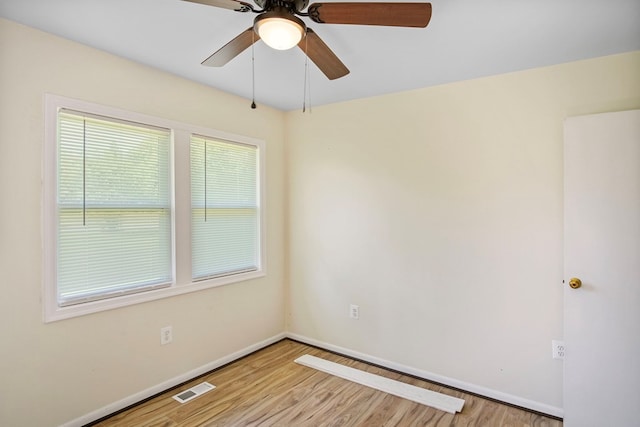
166 335
557 349
354 311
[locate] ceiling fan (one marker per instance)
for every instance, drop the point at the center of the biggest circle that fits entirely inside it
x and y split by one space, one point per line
279 27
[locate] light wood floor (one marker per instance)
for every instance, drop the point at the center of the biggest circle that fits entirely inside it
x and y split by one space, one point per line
268 389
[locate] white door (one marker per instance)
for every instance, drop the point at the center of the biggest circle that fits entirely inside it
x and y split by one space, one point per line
602 249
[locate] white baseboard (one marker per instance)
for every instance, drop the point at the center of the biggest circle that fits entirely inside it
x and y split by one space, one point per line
411 392
451 382
137 397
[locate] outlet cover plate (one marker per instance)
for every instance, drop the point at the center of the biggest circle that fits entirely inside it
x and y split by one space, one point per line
557 349
354 311
166 335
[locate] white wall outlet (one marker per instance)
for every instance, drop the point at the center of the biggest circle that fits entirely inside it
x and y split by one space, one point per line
166 335
557 349
354 311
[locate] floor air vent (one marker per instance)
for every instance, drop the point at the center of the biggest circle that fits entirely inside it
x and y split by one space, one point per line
193 392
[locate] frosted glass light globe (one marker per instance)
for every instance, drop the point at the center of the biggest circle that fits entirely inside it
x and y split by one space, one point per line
279 33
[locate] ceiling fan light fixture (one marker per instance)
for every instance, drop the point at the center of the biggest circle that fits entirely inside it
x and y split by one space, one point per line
279 30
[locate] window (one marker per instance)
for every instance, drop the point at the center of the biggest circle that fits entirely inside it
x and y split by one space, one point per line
113 208
224 208
138 208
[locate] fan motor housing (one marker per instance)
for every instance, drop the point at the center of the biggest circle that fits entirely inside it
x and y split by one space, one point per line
269 4
279 12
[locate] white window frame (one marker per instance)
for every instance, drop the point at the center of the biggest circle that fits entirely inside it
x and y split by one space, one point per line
181 210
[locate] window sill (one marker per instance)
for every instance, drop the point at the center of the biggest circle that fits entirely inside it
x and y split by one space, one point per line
55 313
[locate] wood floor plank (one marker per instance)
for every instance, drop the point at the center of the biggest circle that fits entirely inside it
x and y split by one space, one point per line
268 388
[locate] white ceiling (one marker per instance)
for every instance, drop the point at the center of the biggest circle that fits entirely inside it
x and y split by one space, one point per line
465 39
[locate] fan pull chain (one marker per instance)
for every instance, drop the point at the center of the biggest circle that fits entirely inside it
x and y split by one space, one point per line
307 79
253 71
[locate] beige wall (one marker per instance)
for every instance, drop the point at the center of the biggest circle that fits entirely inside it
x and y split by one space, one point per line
439 212
53 373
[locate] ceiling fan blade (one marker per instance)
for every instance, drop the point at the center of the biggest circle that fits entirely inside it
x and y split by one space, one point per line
322 56
388 14
238 6
232 49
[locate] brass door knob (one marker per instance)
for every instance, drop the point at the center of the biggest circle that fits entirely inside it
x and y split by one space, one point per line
575 283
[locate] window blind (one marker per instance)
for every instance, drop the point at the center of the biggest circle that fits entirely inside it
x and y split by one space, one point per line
224 208
114 208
